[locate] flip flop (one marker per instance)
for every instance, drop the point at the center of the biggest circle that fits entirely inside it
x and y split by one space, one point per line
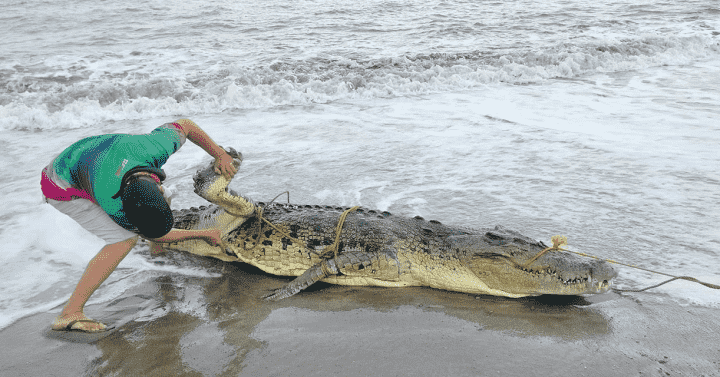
69 326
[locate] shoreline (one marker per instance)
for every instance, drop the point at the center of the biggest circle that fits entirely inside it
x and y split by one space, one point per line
192 326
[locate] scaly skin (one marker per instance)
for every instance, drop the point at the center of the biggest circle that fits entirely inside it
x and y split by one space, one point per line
380 249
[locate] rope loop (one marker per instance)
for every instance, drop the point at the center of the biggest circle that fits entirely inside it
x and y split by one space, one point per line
559 241
326 253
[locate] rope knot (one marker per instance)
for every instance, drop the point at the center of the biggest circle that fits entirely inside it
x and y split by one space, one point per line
557 242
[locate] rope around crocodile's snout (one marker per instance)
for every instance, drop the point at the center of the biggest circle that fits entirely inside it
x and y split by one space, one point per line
559 241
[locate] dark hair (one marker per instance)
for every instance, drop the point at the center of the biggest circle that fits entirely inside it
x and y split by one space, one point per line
146 208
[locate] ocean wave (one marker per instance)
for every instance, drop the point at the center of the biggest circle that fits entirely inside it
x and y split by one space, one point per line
76 95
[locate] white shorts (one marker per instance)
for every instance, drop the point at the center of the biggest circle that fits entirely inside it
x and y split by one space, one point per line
91 217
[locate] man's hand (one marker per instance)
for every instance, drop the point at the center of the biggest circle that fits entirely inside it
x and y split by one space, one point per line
224 165
223 161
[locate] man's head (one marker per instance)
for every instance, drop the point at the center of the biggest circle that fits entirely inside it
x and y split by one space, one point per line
145 205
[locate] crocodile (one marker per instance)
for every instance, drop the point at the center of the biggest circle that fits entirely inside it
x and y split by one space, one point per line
377 248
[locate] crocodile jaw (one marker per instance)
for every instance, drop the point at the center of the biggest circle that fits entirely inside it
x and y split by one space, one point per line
213 187
585 277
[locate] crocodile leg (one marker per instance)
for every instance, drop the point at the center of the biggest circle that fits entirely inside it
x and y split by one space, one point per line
352 263
309 277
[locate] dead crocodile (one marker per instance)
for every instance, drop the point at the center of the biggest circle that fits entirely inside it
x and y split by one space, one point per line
377 248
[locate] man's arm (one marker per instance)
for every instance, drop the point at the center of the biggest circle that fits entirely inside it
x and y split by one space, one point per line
223 161
212 236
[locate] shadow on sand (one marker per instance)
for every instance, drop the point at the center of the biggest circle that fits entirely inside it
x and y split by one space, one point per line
180 325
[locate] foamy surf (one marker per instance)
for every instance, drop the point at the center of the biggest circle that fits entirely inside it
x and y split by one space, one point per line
55 98
44 255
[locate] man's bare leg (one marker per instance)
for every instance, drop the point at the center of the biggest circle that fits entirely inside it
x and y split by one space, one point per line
95 274
105 263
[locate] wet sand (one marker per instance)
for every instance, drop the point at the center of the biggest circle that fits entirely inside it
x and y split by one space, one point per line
190 326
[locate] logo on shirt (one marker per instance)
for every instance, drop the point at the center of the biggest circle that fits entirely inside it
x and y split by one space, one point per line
122 166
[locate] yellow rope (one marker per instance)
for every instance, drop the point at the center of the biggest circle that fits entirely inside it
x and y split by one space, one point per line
259 214
557 242
561 240
338 229
538 255
326 251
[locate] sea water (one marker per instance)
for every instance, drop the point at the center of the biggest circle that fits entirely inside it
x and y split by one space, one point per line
598 120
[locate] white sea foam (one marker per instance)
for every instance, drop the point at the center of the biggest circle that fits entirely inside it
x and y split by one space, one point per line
44 255
37 263
51 102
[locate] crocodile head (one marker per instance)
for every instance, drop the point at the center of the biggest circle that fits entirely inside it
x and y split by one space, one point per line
214 188
500 257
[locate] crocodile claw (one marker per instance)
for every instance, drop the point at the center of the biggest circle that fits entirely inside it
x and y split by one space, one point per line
278 294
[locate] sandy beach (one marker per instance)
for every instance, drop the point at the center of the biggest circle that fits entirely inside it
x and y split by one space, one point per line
189 326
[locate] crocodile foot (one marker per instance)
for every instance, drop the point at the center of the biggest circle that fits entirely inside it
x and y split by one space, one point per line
309 277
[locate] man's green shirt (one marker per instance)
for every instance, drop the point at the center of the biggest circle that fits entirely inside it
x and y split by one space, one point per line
97 164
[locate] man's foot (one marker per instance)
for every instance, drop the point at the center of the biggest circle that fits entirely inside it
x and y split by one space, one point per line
78 323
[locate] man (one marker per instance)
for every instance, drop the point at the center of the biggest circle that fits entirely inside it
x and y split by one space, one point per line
112 186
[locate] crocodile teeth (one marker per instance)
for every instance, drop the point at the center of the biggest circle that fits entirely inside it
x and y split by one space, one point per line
576 280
